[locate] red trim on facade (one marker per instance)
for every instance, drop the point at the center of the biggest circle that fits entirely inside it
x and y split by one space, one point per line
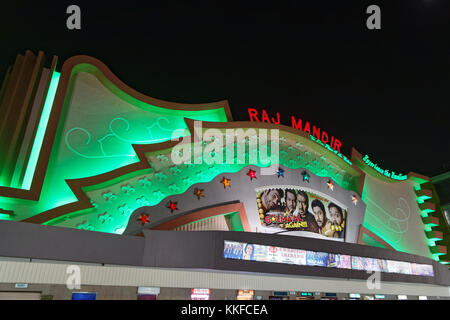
206 213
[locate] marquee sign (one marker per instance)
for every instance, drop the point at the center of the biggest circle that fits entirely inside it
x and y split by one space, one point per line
297 123
385 172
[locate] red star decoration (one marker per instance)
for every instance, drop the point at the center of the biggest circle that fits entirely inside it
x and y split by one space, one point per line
172 206
199 193
252 174
144 218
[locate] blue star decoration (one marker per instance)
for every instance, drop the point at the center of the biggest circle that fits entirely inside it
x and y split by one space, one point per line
305 176
280 172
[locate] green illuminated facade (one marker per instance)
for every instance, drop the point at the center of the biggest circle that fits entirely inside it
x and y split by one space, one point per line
88 151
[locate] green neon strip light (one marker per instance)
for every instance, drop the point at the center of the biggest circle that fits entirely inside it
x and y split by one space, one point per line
36 150
428 225
326 146
236 221
4 216
422 199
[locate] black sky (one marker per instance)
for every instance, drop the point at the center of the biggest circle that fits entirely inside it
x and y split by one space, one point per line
385 92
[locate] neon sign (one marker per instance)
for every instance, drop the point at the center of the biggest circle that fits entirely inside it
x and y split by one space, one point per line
340 155
385 172
312 130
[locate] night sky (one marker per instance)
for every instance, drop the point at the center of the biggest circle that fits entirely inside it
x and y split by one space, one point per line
386 92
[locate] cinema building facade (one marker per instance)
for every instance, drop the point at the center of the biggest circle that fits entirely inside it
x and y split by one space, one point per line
106 193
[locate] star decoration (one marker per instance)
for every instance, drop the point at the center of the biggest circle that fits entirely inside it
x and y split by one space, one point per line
354 200
144 218
199 193
305 176
172 206
252 174
280 172
226 182
330 184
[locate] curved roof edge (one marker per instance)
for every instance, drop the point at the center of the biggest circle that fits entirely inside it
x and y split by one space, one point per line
67 71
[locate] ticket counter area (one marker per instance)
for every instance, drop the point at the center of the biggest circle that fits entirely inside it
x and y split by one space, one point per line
245 294
279 295
357 296
354 296
148 293
200 294
304 296
329 296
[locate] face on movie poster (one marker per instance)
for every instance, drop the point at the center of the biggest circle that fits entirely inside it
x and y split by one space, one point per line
343 261
295 209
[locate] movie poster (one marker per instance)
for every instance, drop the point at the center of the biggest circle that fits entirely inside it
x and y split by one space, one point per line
256 252
319 259
357 263
233 250
262 253
295 209
399 267
422 269
286 255
341 261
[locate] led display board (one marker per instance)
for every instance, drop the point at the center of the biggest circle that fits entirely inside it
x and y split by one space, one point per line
264 253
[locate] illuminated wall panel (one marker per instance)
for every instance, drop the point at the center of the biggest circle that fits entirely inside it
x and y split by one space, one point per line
117 200
392 213
95 135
